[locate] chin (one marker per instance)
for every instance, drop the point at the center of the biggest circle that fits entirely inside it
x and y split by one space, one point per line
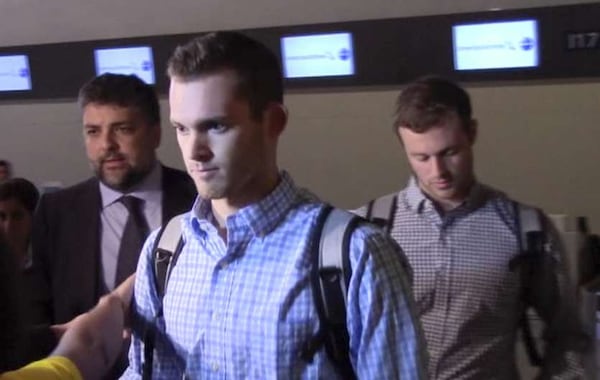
209 193
447 196
113 184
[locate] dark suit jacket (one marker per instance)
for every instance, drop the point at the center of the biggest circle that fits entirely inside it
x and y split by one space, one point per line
66 271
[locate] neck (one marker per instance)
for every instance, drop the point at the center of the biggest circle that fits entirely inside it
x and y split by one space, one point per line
448 204
225 207
445 206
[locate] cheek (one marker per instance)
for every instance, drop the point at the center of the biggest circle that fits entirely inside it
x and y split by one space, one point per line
228 149
419 168
135 148
186 146
90 149
28 224
460 165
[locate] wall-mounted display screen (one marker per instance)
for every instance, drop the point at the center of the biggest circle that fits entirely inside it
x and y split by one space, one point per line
317 55
14 73
496 45
126 60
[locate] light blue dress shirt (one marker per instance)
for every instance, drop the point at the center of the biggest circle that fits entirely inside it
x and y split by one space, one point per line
244 309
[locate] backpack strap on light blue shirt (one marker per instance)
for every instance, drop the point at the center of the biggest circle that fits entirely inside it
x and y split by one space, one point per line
330 276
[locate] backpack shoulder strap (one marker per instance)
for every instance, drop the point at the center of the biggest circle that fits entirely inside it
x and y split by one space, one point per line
167 246
382 210
166 250
530 242
330 275
334 248
528 220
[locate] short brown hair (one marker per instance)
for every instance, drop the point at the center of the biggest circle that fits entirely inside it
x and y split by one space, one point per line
428 100
123 91
258 72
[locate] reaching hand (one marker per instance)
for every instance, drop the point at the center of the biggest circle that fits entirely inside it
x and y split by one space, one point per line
94 339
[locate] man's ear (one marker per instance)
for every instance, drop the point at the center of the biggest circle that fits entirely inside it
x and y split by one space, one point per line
276 116
398 135
472 131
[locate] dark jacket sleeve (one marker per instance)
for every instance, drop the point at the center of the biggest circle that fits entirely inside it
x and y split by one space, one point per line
553 296
11 326
38 280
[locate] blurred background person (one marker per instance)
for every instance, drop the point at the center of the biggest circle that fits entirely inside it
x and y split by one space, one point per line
5 170
88 346
18 199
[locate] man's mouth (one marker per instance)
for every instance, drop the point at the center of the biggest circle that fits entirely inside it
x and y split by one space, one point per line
113 162
204 172
443 184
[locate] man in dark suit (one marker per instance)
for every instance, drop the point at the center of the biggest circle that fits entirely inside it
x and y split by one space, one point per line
81 234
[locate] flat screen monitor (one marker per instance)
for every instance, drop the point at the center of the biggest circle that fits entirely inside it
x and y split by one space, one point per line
496 45
126 60
317 55
14 73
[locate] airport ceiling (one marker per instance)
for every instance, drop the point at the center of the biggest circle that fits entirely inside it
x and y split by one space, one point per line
24 22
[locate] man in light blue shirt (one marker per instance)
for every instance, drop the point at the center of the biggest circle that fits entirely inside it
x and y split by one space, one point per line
239 302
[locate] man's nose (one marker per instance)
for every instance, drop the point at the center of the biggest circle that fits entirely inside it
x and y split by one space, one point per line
200 147
109 141
438 166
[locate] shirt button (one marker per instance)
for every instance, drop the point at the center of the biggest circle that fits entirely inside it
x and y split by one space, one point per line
216 316
223 265
215 366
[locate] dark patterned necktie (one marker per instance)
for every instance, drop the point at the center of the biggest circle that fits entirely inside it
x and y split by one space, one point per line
134 235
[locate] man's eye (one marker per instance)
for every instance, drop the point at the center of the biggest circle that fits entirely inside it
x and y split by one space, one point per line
91 132
180 129
125 129
219 127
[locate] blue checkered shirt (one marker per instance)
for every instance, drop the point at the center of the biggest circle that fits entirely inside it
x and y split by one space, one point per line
468 299
244 309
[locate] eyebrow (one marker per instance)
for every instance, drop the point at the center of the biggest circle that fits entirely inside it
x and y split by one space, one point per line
114 124
441 152
201 124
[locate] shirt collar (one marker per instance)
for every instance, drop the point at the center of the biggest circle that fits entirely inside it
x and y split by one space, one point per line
148 189
416 198
262 216
414 195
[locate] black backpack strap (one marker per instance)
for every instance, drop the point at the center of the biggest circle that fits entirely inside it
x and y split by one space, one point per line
381 211
330 275
166 250
530 240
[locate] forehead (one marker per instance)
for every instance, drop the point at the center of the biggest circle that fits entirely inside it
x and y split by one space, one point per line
100 112
447 133
205 96
11 205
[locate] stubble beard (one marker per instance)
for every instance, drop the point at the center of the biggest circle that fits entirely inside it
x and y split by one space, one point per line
124 181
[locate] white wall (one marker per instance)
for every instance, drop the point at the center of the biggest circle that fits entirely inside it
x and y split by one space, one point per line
42 21
538 143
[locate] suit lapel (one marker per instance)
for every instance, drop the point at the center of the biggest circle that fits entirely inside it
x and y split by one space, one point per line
89 262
